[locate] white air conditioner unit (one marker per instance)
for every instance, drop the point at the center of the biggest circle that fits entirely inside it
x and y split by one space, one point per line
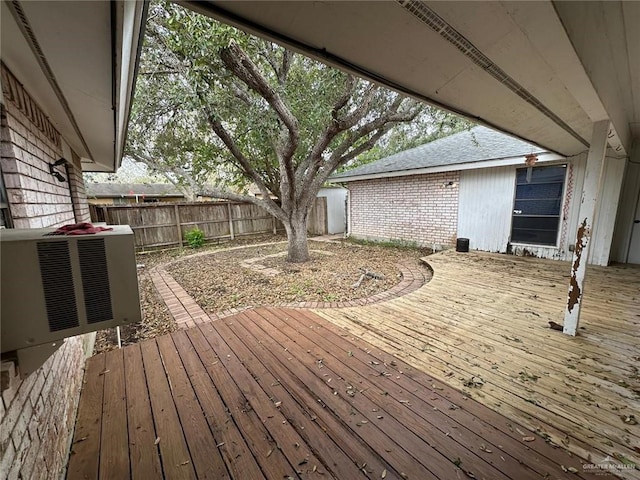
55 287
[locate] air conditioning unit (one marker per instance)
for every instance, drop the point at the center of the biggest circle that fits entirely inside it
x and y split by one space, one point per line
55 287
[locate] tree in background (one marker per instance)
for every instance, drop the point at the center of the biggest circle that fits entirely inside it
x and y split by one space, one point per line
130 171
220 107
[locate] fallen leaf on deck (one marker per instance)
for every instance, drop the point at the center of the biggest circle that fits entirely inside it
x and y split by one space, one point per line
528 439
157 441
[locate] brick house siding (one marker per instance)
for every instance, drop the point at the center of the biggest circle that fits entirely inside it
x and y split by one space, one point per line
37 414
418 208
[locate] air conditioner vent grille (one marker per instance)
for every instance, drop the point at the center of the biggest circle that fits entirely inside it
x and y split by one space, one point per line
95 280
57 283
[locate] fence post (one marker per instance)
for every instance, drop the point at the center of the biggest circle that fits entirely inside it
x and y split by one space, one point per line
177 210
274 222
229 212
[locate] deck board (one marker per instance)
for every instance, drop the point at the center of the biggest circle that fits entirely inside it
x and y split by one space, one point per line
205 456
143 452
486 315
172 446
114 435
279 393
85 450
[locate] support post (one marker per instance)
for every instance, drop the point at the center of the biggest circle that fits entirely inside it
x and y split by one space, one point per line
178 226
590 192
274 225
229 213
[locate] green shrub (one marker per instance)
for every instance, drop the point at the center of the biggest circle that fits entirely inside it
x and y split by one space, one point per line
195 237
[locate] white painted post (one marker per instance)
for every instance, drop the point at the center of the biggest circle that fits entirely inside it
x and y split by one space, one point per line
590 192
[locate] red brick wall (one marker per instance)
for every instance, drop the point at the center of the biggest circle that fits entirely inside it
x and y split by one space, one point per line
418 208
78 192
37 414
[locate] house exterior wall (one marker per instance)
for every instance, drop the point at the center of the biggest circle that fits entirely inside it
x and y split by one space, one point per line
37 413
486 208
478 205
419 208
486 205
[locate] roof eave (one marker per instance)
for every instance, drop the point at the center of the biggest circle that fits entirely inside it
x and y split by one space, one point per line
543 157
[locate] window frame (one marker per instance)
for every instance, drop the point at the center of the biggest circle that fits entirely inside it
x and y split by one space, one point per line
561 218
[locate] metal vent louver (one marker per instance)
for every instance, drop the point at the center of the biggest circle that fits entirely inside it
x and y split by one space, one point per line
57 282
95 280
427 16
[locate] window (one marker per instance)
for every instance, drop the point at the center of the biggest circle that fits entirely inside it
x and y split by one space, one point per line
537 205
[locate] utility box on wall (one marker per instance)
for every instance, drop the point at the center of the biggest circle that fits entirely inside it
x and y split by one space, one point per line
55 287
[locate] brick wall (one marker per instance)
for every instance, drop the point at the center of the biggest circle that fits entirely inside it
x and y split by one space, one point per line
417 208
37 413
30 144
78 192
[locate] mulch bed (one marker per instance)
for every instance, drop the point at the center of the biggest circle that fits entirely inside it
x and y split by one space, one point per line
218 281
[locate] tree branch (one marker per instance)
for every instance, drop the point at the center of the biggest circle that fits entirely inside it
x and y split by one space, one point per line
243 162
165 169
242 67
329 133
237 61
341 154
267 204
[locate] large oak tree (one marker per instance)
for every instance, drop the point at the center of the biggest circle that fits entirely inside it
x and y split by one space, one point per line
216 105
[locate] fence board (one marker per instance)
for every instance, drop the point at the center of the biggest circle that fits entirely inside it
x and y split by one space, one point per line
157 224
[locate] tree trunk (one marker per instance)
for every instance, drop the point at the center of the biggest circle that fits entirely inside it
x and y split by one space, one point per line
298 250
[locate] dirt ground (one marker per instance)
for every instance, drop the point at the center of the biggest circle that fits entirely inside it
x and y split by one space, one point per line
223 280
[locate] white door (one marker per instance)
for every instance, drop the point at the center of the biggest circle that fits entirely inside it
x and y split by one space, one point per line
634 246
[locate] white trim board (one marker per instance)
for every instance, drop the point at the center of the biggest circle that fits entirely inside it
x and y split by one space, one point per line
498 162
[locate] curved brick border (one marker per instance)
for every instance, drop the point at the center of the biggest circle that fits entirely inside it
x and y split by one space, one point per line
187 313
412 279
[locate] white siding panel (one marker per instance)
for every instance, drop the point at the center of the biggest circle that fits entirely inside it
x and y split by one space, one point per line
336 207
485 207
606 210
627 211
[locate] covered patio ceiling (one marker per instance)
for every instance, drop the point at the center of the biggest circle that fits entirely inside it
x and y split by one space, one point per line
542 71
78 60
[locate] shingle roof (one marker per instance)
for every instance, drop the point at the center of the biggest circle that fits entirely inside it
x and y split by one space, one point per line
474 145
106 190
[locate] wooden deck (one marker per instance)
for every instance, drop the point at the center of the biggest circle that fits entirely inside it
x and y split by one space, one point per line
481 326
281 394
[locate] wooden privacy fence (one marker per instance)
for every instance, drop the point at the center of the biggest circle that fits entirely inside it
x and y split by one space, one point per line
165 224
